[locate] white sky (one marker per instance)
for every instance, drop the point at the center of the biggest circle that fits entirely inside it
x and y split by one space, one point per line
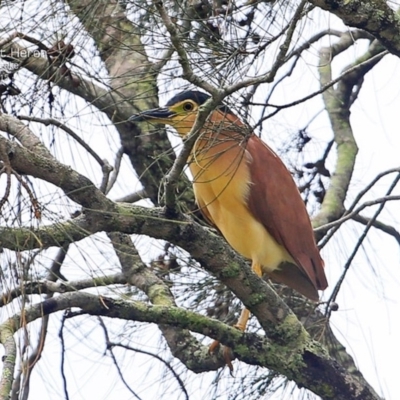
368 319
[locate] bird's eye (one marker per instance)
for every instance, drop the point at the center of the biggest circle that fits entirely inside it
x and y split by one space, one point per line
188 107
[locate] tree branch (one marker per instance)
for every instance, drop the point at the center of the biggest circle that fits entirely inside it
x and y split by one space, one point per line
182 344
375 17
9 358
306 364
337 103
390 230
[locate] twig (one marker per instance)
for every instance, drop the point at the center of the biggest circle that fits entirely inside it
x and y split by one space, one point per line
116 169
171 179
32 360
338 285
54 272
28 38
9 358
390 230
106 169
109 348
183 57
331 83
370 185
34 201
61 336
133 197
353 205
8 39
50 287
21 390
65 128
356 211
8 170
166 363
159 65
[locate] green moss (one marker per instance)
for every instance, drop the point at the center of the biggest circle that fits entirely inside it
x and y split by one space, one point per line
159 296
326 390
256 298
232 270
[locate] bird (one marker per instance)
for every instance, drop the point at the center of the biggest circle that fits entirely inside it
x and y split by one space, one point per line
244 189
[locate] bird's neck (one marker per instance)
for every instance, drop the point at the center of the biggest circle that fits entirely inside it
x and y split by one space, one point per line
215 143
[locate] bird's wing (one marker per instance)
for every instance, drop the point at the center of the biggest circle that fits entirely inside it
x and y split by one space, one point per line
204 211
275 201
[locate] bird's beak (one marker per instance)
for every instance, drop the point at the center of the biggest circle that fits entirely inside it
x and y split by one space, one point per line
161 115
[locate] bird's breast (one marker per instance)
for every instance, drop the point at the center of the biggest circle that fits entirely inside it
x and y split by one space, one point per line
222 183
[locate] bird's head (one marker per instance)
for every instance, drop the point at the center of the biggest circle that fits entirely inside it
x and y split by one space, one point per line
181 111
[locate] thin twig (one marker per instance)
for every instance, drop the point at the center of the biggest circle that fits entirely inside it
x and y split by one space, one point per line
331 83
159 65
53 275
8 39
133 197
50 287
61 336
179 47
8 170
109 348
115 172
353 205
106 169
346 267
356 211
65 128
390 230
166 363
281 58
171 179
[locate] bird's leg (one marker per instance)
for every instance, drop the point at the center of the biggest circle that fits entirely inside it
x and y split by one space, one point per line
245 314
241 324
242 321
256 267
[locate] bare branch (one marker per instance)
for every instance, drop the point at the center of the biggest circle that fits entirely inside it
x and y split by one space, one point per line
182 344
50 287
115 170
357 211
110 349
368 63
26 137
157 357
355 202
104 100
390 230
337 103
179 47
62 366
76 186
9 358
359 243
106 169
307 365
171 179
69 131
21 387
377 18
133 197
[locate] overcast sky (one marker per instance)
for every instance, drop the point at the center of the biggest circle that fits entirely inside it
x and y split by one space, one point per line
368 318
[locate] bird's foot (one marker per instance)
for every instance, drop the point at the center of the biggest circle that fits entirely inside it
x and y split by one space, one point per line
226 351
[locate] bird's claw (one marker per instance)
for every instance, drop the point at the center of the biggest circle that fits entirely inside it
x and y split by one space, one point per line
226 353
